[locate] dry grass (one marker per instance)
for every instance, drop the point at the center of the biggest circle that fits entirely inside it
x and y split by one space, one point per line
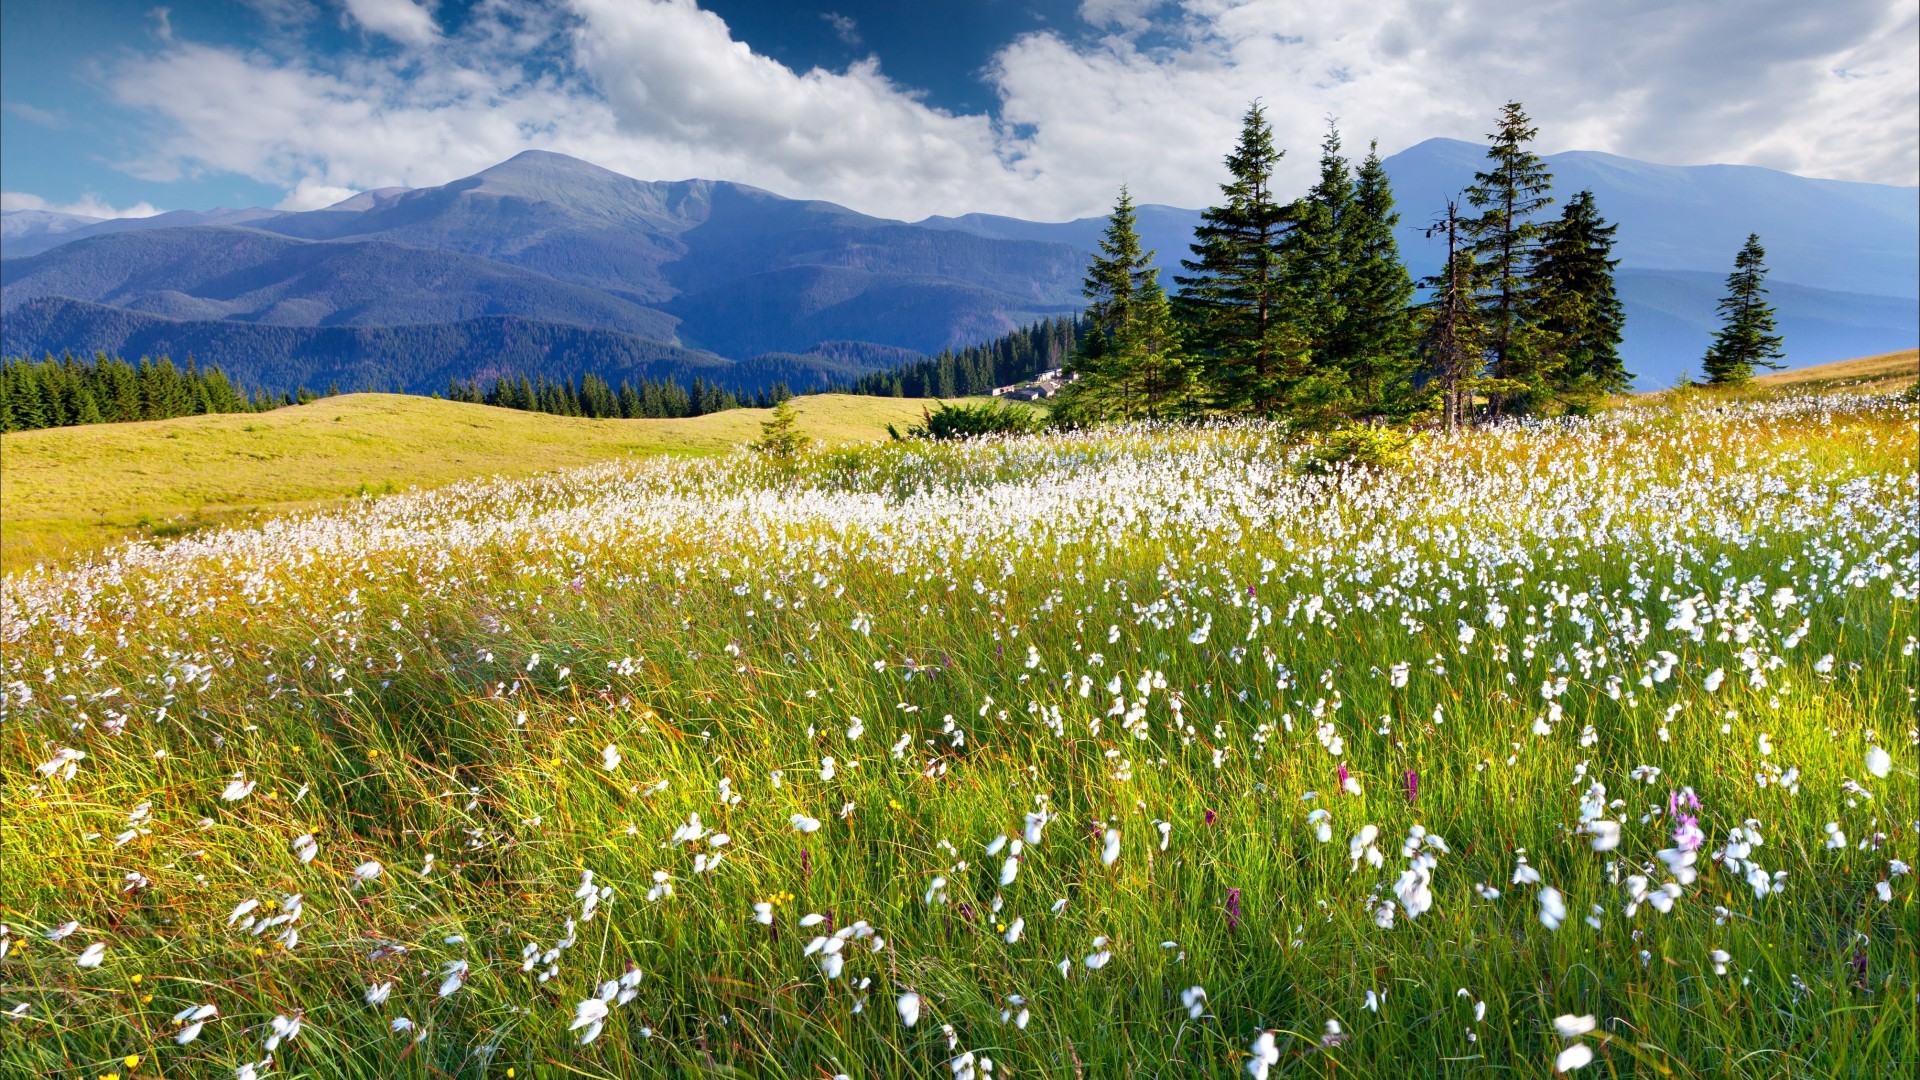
65 492
1877 374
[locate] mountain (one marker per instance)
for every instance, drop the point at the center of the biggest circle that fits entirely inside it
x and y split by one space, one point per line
710 267
31 240
418 358
219 272
17 226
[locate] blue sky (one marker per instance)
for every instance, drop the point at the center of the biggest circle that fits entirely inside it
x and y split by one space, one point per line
1030 107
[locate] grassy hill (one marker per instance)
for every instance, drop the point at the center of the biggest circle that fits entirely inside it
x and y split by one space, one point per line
1888 371
67 491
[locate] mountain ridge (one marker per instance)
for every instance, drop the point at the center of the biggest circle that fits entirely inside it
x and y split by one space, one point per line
734 270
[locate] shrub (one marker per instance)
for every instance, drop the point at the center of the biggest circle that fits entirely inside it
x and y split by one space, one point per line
1366 447
969 421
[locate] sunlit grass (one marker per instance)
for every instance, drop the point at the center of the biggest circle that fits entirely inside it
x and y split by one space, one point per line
391 680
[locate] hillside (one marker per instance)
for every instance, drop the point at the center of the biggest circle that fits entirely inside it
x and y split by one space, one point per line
1885 373
1109 753
67 491
418 358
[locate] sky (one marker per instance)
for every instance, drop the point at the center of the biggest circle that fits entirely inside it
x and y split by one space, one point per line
906 108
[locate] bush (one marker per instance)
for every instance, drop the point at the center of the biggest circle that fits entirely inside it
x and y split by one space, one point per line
1366 447
969 421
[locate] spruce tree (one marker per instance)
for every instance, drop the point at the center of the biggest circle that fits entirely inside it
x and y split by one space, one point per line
1508 193
1581 315
1374 339
1747 338
1317 255
1131 363
1109 284
1234 299
1454 338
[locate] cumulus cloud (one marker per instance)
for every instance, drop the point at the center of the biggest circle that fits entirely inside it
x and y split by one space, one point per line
401 20
88 205
1147 91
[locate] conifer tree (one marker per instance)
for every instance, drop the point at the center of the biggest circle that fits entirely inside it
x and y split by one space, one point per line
1317 256
1581 315
1131 363
780 434
1455 336
1374 340
1234 300
1747 338
1508 193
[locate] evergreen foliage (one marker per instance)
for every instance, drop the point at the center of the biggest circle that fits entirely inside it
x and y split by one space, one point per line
593 397
967 421
1132 363
780 435
1373 341
980 369
1581 315
1235 298
1508 193
1454 337
1317 256
57 393
1747 338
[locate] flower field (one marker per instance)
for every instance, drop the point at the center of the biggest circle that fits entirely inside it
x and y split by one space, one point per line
1584 745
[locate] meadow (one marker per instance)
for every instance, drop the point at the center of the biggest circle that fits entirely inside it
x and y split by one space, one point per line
1582 745
68 492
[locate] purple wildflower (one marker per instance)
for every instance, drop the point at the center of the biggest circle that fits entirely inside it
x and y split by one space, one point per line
1233 910
1413 785
1343 777
1211 816
1688 835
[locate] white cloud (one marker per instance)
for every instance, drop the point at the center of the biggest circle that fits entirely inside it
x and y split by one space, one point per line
44 117
661 90
844 27
401 20
310 195
88 205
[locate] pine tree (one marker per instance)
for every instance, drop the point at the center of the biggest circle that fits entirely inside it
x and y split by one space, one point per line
1111 276
1581 315
1131 363
1317 256
1234 300
1747 338
780 435
1455 335
1508 193
1374 340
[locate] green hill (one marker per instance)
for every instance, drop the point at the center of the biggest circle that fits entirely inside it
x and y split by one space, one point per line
67 491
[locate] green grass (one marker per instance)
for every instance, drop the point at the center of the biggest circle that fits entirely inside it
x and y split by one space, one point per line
72 491
390 676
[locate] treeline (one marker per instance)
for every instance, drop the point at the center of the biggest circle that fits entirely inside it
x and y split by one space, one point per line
56 393
593 396
1304 309
68 391
979 369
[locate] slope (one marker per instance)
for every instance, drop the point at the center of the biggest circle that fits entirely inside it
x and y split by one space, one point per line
67 491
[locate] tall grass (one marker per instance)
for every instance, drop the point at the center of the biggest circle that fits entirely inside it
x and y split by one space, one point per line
455 674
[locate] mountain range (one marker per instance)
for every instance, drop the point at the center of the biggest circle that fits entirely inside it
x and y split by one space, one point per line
545 264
